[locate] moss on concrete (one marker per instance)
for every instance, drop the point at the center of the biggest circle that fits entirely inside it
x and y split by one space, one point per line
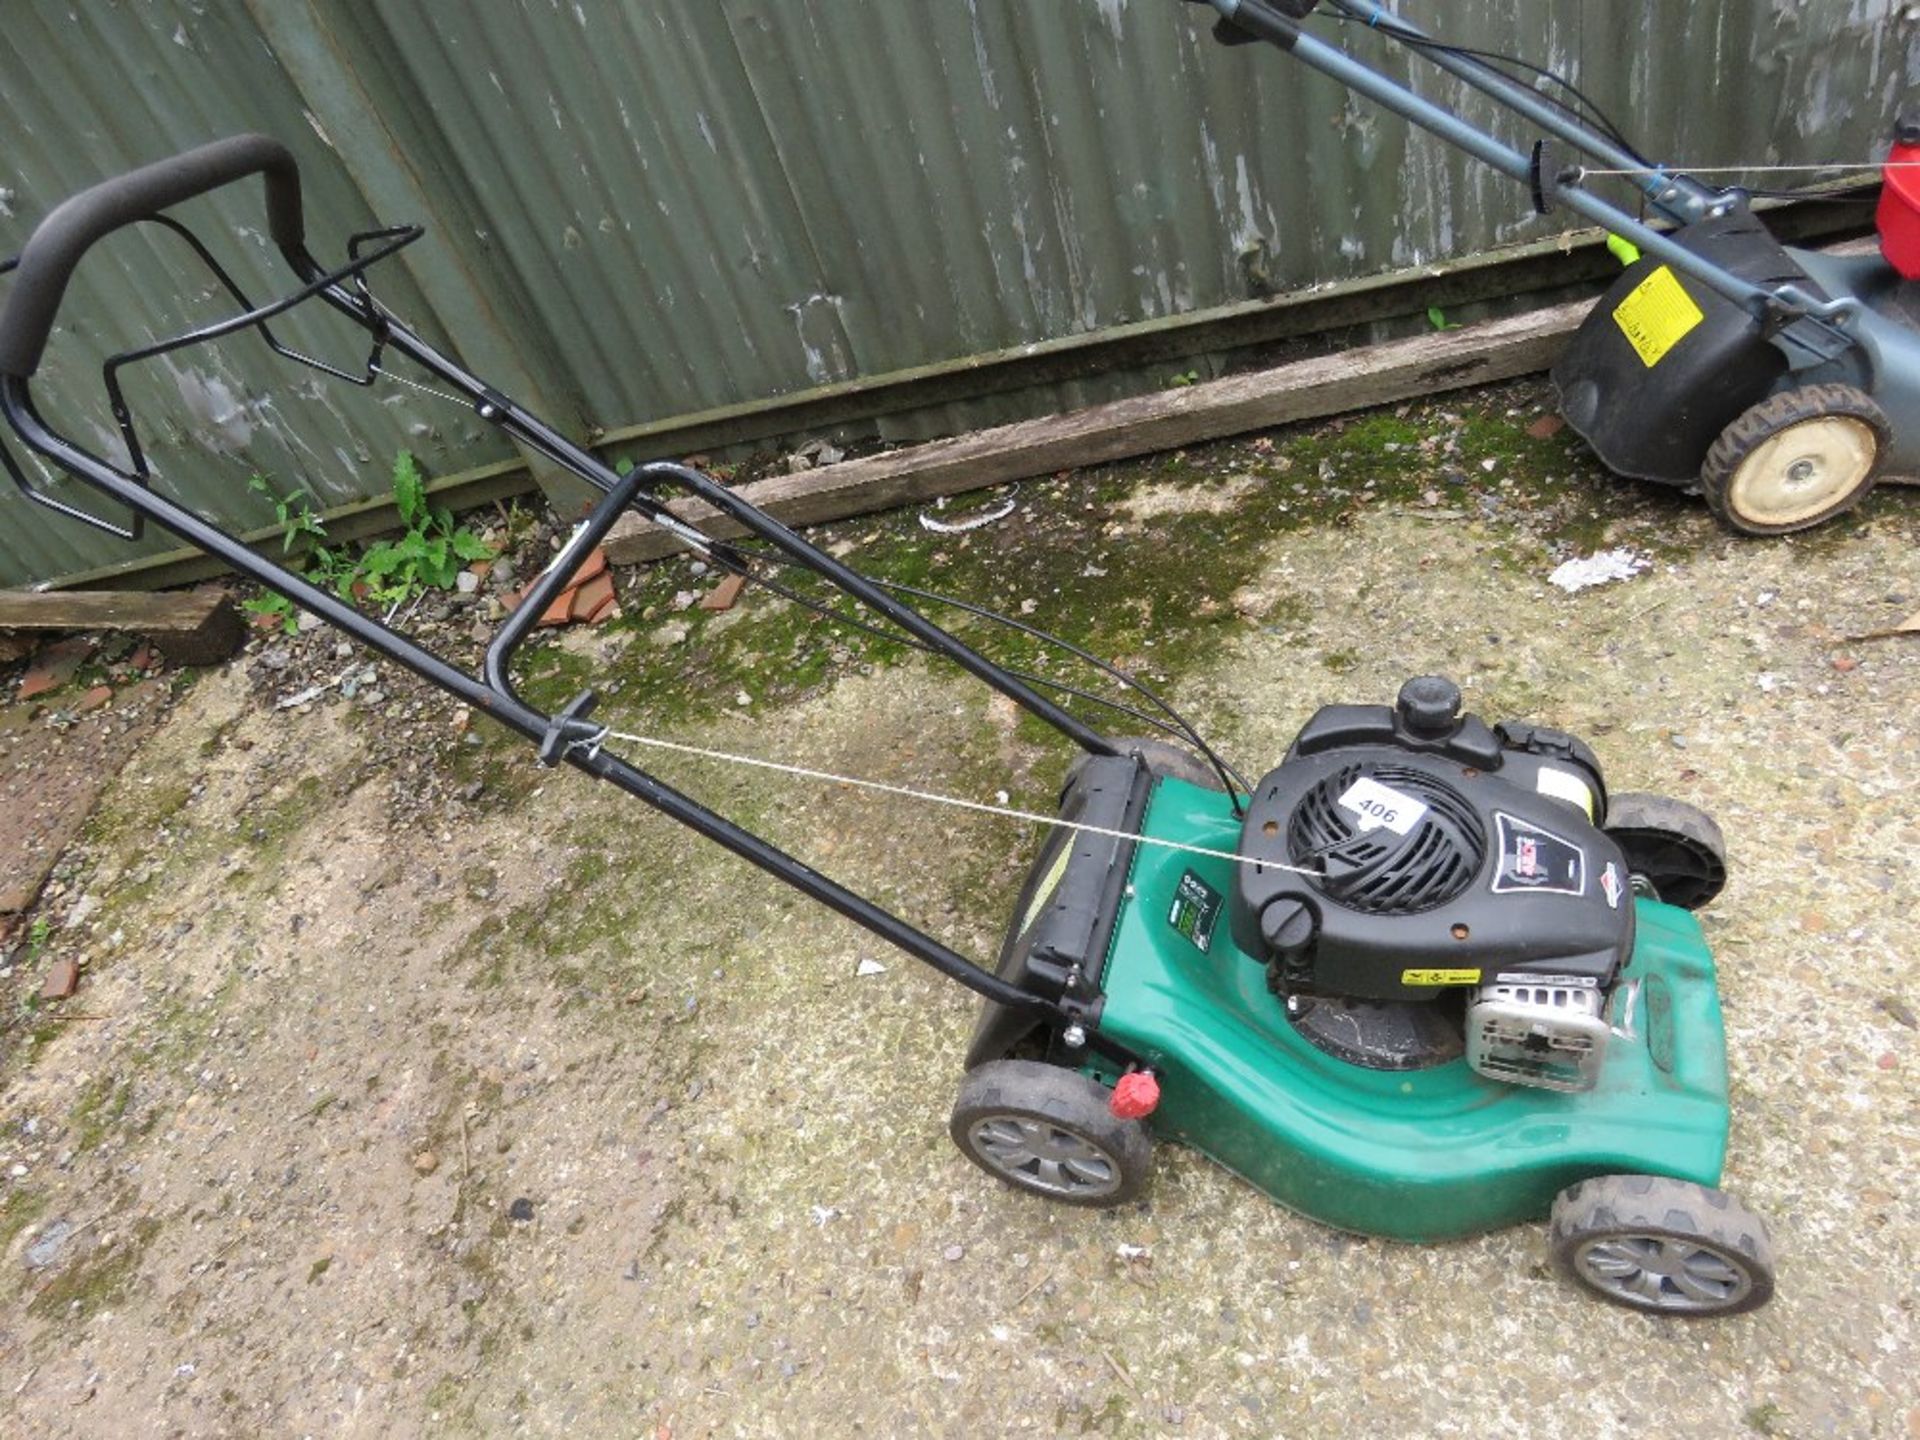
96 1279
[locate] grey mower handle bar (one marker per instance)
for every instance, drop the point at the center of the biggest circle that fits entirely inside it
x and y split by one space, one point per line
58 242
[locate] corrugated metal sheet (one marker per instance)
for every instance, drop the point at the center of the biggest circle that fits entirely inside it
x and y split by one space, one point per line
644 210
90 90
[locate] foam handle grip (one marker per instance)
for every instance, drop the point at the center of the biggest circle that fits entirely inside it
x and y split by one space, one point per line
58 242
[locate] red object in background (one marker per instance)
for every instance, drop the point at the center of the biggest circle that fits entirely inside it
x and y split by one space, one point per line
1135 1095
1898 218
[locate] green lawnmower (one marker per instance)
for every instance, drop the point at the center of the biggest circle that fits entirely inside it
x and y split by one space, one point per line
1424 979
1429 981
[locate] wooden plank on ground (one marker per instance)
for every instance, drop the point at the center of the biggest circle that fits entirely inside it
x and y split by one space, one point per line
193 627
1166 420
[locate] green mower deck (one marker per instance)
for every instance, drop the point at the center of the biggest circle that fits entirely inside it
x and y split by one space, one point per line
1419 1155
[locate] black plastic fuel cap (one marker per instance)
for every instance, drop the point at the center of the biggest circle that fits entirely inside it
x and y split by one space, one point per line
1428 705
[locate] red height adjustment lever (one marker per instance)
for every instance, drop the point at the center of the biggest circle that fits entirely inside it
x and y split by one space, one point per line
1136 1095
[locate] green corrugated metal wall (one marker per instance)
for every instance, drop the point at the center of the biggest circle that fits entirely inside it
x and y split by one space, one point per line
644 210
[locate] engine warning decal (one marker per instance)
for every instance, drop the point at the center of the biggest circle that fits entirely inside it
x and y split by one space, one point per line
1376 805
1196 905
1537 861
1656 316
1439 977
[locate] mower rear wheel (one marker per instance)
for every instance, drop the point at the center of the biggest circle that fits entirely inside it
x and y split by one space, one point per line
1796 459
1661 1245
1676 846
1164 759
1047 1129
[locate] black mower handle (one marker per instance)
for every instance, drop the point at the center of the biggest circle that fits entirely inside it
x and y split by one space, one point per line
58 242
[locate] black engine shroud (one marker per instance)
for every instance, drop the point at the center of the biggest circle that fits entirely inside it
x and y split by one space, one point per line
1443 853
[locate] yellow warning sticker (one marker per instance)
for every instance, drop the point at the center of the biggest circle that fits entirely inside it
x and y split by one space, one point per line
1439 977
1044 891
1656 316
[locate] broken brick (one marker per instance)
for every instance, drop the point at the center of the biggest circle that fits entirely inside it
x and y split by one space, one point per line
723 595
1546 427
56 666
591 568
593 594
560 611
93 699
63 978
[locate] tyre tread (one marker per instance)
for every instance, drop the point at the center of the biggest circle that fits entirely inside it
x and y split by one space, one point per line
1061 1097
1659 1205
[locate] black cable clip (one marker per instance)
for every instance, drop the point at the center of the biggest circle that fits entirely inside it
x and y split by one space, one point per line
570 731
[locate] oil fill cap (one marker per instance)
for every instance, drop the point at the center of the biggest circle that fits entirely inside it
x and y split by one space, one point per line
1428 706
1287 926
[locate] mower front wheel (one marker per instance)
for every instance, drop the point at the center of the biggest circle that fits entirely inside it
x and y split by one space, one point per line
1046 1129
1665 1246
1796 459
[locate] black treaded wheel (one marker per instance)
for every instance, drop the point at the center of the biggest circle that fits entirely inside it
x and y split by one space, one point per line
1796 459
1669 1247
1047 1129
1676 846
1164 759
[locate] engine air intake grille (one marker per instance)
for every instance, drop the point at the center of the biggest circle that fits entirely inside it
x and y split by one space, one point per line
1377 871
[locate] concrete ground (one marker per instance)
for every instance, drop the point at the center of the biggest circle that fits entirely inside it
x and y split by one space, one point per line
414 1090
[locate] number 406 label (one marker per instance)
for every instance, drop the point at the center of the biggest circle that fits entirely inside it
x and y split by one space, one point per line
1376 805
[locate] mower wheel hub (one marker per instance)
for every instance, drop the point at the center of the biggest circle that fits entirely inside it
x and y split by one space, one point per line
1044 1157
1805 469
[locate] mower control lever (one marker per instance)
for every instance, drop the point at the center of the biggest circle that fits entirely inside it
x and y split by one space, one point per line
58 242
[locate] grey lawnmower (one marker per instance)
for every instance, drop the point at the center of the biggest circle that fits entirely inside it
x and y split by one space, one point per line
1782 382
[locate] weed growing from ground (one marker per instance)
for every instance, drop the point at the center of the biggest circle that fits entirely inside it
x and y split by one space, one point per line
428 554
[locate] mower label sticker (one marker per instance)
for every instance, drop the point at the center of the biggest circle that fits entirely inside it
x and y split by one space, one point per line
1439 977
1656 316
1378 805
1055 873
1536 861
1611 885
1196 905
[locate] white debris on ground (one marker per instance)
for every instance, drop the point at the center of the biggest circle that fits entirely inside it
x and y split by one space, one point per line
972 522
1597 569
